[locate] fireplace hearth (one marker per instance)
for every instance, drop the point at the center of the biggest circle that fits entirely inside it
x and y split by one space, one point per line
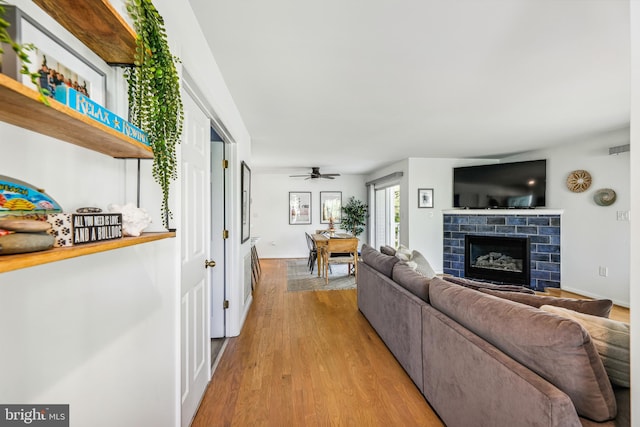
498 259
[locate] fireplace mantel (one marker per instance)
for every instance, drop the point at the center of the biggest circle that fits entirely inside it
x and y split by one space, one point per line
503 211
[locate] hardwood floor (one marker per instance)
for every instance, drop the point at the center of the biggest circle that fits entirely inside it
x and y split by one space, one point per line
309 359
312 359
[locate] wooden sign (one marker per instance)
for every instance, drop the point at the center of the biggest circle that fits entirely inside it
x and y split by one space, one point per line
96 227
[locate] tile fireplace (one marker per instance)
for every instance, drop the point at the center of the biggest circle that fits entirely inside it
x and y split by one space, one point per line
498 259
540 230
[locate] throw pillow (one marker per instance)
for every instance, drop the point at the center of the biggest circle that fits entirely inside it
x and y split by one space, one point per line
403 253
422 265
600 307
379 262
412 281
559 350
387 250
611 339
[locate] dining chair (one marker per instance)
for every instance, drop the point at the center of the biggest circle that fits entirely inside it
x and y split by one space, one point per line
345 251
313 252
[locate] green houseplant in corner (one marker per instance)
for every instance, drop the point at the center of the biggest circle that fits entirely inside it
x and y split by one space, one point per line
354 216
155 102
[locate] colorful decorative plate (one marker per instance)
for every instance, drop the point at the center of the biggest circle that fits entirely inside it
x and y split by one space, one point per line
604 197
578 181
18 198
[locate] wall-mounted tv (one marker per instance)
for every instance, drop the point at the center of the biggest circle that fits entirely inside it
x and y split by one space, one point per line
519 185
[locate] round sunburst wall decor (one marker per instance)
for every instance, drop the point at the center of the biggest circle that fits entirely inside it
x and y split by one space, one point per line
578 181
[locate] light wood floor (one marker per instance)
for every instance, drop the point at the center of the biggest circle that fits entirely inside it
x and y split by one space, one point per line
312 359
309 359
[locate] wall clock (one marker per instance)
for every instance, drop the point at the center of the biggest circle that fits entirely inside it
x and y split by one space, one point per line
578 181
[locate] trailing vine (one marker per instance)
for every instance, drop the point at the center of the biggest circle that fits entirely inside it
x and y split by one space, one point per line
21 51
155 103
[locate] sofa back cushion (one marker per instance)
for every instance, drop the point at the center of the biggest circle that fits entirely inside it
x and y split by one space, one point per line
411 280
557 349
598 307
378 261
388 250
473 284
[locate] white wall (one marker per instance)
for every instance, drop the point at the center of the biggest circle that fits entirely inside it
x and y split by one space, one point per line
269 210
102 331
591 234
635 207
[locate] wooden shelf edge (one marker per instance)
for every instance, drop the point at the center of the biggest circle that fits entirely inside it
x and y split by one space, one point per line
98 25
21 106
19 261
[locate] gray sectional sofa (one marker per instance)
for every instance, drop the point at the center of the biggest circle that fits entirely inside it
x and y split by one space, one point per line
483 357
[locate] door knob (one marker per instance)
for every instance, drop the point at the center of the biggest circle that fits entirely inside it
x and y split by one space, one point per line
209 263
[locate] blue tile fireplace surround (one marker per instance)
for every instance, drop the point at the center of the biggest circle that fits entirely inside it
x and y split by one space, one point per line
542 229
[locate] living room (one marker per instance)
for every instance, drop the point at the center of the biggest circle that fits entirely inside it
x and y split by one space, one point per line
112 319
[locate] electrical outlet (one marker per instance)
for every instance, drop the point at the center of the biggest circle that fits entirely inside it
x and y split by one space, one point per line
603 271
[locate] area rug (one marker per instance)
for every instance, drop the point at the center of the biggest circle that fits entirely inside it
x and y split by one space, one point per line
299 278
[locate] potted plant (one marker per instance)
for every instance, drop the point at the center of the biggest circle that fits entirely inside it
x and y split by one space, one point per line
354 216
155 102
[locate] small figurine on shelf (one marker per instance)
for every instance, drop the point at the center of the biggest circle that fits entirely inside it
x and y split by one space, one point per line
332 229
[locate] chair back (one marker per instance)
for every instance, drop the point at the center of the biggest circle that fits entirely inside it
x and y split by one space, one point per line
311 244
345 246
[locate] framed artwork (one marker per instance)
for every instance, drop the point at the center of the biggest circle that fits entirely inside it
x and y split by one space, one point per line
59 66
425 197
245 184
299 207
330 206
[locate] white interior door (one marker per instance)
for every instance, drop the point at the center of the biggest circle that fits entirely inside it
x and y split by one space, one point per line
217 241
194 235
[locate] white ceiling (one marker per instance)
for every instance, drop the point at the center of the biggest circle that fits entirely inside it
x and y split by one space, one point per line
352 85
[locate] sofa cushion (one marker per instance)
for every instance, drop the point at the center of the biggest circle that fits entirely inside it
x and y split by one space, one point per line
611 339
387 250
468 283
601 307
411 280
559 350
378 261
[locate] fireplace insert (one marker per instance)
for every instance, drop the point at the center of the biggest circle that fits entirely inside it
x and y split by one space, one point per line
497 259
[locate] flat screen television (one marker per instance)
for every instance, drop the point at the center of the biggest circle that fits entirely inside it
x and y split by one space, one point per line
519 185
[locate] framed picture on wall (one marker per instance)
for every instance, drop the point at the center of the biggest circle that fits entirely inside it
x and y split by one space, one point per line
245 184
425 197
299 207
330 206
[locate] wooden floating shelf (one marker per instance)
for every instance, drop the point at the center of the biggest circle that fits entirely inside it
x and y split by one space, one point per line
19 261
98 25
22 106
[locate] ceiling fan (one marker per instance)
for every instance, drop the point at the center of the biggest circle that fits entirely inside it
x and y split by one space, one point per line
315 174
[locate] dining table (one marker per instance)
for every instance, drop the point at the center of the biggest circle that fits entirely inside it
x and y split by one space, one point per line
323 240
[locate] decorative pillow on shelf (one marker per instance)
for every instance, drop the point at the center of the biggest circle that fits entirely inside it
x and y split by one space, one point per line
611 339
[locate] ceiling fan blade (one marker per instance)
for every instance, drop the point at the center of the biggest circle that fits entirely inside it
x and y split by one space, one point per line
326 177
298 176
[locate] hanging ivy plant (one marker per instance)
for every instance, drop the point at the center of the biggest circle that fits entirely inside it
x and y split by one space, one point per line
21 51
155 103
